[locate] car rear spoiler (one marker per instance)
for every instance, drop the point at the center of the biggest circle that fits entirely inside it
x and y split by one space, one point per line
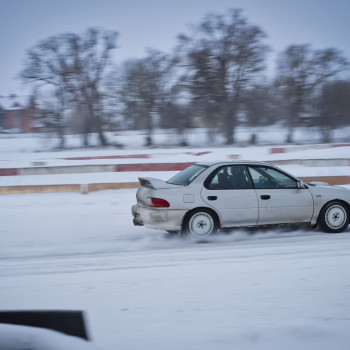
153 183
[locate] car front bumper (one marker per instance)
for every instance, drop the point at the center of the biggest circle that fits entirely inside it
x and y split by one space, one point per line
158 218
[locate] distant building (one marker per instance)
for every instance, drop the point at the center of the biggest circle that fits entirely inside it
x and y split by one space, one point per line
18 114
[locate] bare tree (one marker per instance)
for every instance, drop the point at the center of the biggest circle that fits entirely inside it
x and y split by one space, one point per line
224 54
175 116
46 68
73 66
144 87
201 81
259 107
333 104
301 70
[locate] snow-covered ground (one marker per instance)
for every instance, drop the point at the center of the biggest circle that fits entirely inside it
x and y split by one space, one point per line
268 135
146 289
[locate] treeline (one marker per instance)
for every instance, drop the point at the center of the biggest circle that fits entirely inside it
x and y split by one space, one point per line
214 78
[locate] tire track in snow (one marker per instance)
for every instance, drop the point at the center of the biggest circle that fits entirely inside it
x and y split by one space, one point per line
276 248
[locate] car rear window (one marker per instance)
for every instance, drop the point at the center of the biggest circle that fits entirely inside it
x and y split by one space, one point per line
186 176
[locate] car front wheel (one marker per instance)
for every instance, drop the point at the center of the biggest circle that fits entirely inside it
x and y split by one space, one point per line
334 217
200 223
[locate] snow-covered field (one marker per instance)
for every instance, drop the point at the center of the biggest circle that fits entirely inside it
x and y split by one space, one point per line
145 289
35 151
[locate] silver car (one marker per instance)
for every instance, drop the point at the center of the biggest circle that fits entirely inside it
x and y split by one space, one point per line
208 196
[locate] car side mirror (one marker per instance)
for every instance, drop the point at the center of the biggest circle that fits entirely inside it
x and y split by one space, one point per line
300 184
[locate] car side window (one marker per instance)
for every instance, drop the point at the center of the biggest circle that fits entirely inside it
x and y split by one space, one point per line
229 177
265 177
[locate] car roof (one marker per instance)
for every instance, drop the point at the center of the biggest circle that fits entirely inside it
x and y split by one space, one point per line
232 162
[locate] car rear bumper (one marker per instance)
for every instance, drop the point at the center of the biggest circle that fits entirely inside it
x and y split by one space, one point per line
158 218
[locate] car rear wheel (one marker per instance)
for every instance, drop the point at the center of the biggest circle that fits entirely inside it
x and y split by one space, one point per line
200 223
334 217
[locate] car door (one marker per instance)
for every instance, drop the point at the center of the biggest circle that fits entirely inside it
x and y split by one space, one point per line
229 190
280 199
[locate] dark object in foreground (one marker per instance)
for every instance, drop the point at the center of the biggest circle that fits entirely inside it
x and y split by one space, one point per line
67 322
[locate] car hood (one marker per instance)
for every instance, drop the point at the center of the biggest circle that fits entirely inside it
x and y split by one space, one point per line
318 183
155 184
332 192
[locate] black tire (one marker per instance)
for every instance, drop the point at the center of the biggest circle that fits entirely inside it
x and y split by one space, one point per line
200 223
334 217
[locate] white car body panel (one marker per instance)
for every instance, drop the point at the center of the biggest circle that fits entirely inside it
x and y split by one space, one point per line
163 219
323 194
235 207
284 205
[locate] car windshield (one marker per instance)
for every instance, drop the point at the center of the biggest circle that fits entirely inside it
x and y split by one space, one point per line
186 176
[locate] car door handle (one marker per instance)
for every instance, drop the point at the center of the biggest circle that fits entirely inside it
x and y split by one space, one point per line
212 198
265 197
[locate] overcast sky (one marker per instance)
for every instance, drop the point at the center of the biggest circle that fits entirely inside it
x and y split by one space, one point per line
156 23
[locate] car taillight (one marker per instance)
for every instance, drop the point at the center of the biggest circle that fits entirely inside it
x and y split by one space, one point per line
157 202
